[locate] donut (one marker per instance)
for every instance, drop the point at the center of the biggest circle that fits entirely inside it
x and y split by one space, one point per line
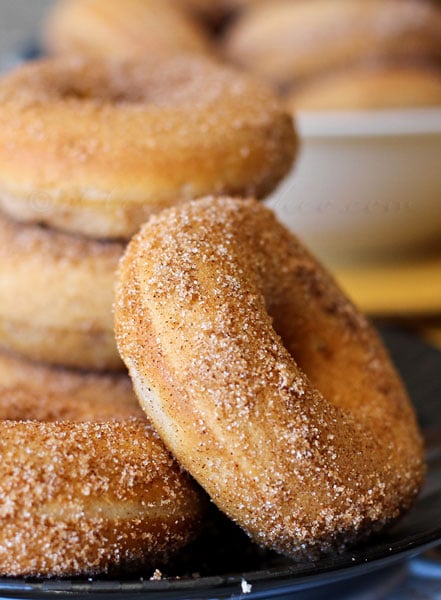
380 87
56 296
263 380
287 41
86 486
106 145
133 29
39 392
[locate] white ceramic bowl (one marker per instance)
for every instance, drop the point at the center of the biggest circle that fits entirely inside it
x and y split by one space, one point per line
365 183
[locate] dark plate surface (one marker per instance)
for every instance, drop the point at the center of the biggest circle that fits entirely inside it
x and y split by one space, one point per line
230 563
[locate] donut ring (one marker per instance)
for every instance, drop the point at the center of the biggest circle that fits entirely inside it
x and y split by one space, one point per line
104 146
307 454
86 487
56 296
286 42
133 29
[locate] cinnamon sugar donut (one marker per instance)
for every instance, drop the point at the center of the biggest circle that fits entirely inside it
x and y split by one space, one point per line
263 379
132 29
104 146
287 41
56 296
379 87
86 487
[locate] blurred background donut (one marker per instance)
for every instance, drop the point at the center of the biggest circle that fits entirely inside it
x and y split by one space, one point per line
286 41
125 30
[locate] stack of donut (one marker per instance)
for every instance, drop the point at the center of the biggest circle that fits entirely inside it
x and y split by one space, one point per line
89 151
326 54
259 377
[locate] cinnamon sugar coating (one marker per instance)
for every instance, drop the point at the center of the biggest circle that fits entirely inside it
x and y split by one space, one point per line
56 295
96 148
264 381
86 486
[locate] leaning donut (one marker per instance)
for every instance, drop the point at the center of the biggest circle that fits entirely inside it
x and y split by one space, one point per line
263 379
106 145
86 487
56 295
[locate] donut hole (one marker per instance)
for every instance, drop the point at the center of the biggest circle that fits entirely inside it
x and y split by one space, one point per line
335 363
110 91
310 348
125 83
77 91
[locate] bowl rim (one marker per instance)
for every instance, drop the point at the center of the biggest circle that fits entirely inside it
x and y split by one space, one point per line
369 123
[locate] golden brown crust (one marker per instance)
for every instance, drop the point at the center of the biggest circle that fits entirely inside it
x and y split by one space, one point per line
288 41
133 29
56 295
86 487
308 440
379 87
104 146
